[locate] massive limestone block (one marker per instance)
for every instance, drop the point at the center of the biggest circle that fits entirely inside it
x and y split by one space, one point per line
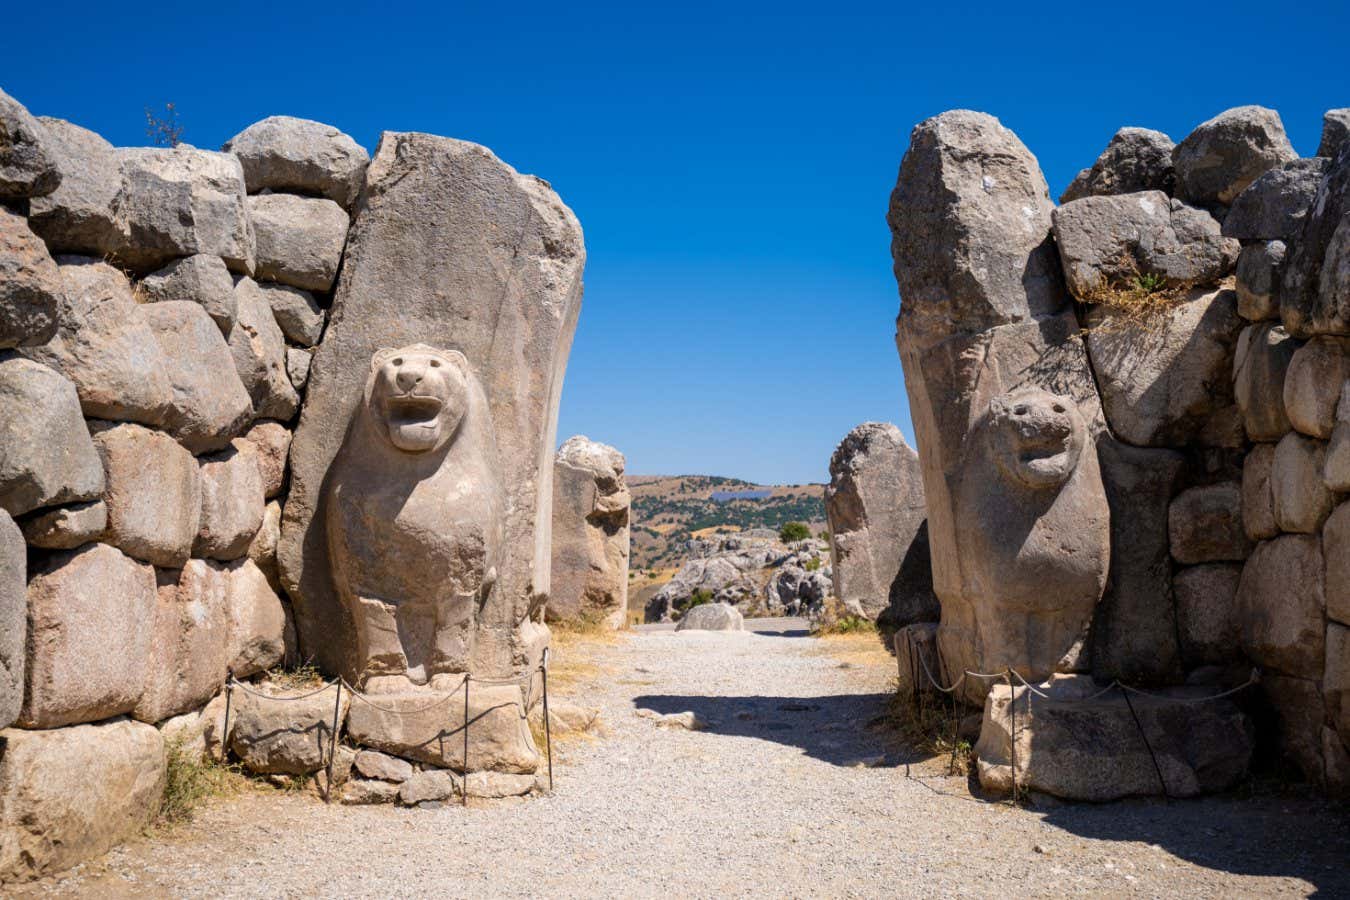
30 285
187 652
1299 495
1260 364
232 504
209 404
288 154
1315 291
153 494
874 504
1281 604
79 216
1336 550
1274 206
452 248
414 515
1258 502
1208 624
1336 469
104 345
590 535
201 279
181 201
1335 130
1259 270
270 442
91 620
67 527
1216 161
1134 635
71 794
298 315
27 168
1090 749
299 239
1168 381
1204 524
256 619
285 733
428 726
13 618
46 456
1108 242
1136 159
1312 384
259 351
1032 525
262 550
1300 710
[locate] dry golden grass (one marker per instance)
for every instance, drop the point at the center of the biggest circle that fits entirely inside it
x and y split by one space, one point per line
714 529
1136 300
192 781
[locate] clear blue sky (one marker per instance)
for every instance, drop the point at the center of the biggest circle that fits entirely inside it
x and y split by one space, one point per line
730 163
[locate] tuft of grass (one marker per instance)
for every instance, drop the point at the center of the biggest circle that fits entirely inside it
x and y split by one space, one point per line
304 676
1136 299
930 725
190 780
846 624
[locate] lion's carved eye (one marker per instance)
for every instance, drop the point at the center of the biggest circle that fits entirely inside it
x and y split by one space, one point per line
398 360
435 363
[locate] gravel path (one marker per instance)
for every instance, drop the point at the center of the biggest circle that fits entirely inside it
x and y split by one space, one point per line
787 793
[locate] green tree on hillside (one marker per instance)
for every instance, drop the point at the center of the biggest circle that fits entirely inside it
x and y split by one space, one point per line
794 531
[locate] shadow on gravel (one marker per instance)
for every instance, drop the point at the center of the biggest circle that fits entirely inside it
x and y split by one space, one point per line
841 729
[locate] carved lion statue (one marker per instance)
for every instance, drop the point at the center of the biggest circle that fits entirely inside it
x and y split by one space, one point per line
414 521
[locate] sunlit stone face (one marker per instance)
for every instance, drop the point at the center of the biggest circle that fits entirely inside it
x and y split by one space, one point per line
1036 437
418 395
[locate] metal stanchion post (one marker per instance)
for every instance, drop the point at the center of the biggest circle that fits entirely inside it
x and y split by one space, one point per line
332 744
466 739
548 732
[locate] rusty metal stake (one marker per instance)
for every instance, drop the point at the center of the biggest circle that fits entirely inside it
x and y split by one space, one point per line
548 732
465 791
332 744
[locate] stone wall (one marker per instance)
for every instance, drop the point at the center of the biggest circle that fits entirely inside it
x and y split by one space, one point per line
1128 408
159 310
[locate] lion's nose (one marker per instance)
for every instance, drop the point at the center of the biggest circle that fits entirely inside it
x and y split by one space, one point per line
409 376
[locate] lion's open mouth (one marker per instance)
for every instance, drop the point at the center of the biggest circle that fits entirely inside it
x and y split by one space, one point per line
413 410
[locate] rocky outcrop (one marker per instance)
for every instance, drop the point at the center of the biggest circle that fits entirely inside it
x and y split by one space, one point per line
874 505
590 535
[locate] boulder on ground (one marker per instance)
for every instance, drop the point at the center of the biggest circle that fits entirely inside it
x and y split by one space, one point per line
1205 524
30 285
1315 290
1274 206
13 619
232 504
427 726
27 166
66 527
590 535
46 455
1107 243
1336 550
1258 502
297 313
256 620
70 794
712 617
181 201
187 653
209 403
259 351
1312 384
1259 268
1221 157
1077 747
300 239
1167 382
270 442
104 345
79 216
201 279
1136 159
285 732
1335 130
1281 605
1264 351
874 505
1299 495
1207 615
282 153
91 618
153 494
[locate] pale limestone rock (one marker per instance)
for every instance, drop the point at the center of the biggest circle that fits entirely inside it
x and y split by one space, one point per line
67 527
381 766
1216 161
259 351
78 217
1205 524
262 550
1258 502
288 154
297 313
297 366
270 442
1167 382
256 620
187 652
1300 497
27 165
430 786
483 261
30 285
1282 629
46 456
299 239
712 617
1336 549
285 733
103 345
1312 384
498 785
361 792
153 494
1264 351
91 617
201 279
13 619
1207 617
1259 270
590 535
874 505
232 504
209 403
70 794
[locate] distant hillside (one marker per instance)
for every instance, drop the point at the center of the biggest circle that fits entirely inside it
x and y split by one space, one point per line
669 509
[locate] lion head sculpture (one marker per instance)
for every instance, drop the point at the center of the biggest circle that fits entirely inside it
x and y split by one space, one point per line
1035 437
417 396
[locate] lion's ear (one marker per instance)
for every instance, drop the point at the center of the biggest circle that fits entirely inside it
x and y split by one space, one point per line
381 357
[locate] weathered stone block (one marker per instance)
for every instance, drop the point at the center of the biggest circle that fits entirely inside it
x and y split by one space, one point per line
1281 604
1264 351
1136 159
13 618
79 217
256 620
297 313
1258 502
712 617
1300 496
187 653
1259 270
27 168
1275 205
201 279
1207 614
270 442
1312 384
1204 524
1221 157
232 504
590 535
259 352
30 285
67 527
283 153
1315 291
285 733
46 456
299 239
1336 549
153 494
